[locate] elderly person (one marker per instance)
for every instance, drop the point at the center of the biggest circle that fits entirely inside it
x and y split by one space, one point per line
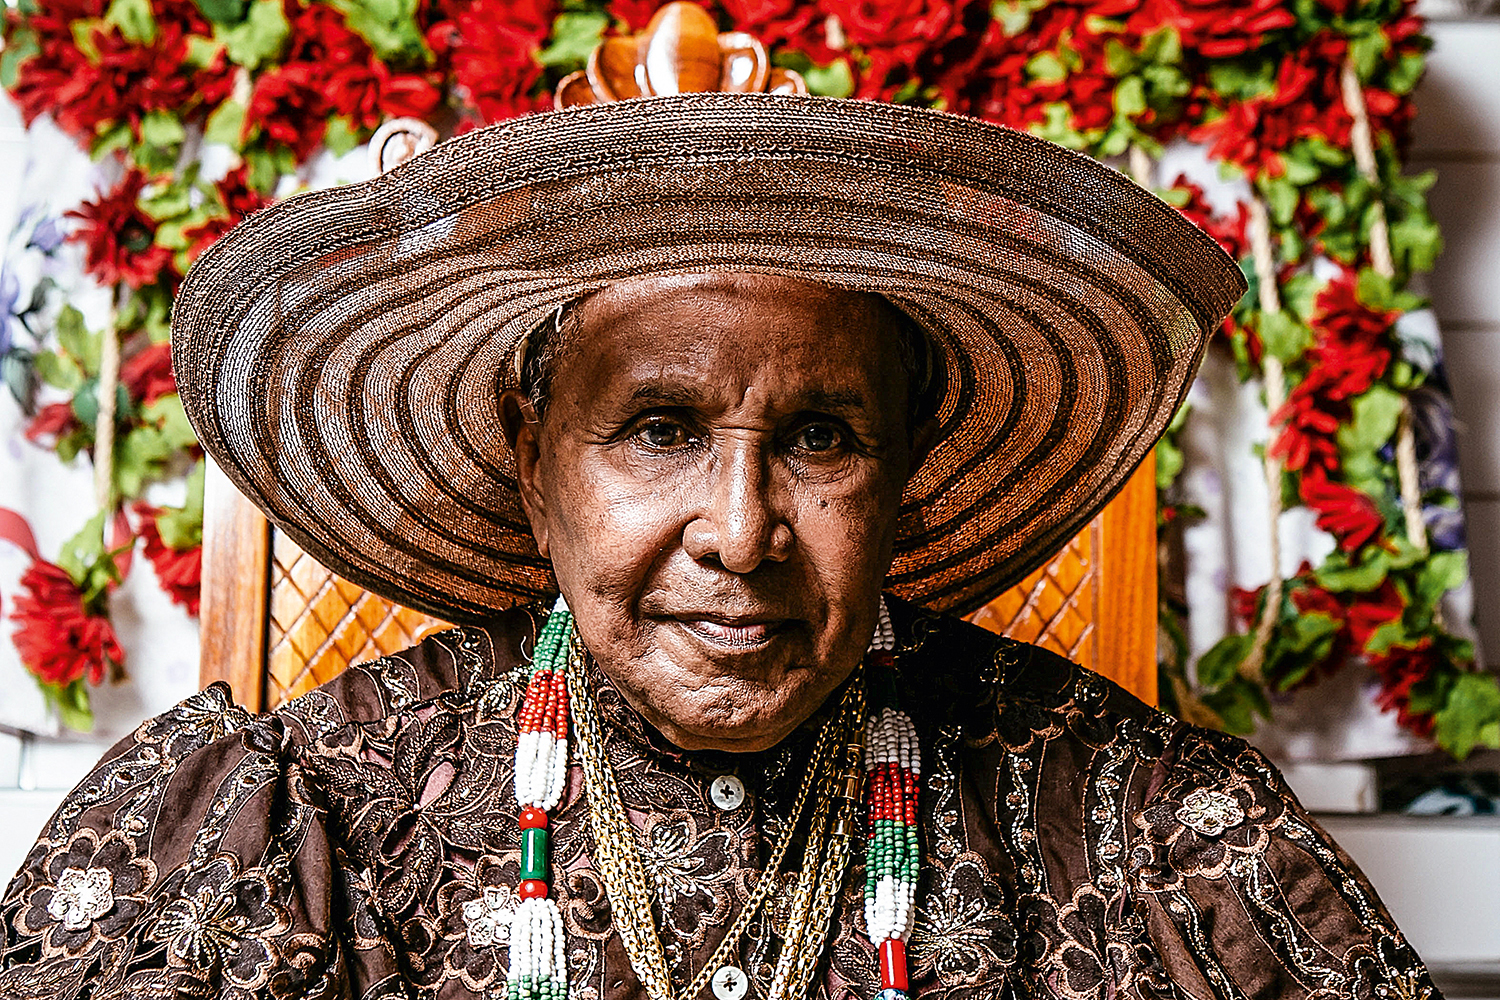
759 386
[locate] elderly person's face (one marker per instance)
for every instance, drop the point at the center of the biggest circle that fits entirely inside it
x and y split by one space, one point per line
716 477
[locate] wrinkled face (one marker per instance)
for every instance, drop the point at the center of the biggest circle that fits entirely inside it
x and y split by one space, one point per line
716 480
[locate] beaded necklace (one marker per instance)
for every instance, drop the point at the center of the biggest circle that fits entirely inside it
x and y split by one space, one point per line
892 771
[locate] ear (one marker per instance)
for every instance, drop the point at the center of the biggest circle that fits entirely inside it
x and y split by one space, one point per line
523 431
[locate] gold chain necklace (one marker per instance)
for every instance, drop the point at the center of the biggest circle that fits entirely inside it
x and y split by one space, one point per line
833 779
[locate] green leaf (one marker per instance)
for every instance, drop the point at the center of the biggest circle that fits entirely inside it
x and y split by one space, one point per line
167 415
58 371
1130 97
390 26
83 37
1402 75
833 80
201 52
1283 336
134 19
226 124
1443 572
1281 198
1047 67
1237 704
162 130
1368 51
114 138
340 136
259 37
1338 575
1387 637
19 47
574 35
1014 16
1169 462
1118 59
1375 413
76 342
71 702
224 12
1471 716
181 528
84 550
1217 666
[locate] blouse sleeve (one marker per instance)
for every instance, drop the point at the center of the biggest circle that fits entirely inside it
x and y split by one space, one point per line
1246 896
192 861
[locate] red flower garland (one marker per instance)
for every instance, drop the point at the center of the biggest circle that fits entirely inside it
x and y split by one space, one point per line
58 638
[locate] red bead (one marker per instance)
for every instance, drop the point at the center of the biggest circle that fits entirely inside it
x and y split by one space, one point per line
893 964
533 818
532 888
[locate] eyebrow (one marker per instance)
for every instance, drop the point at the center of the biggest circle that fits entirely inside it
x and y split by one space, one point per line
829 400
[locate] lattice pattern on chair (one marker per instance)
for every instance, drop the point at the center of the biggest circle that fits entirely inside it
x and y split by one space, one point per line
320 623
1057 606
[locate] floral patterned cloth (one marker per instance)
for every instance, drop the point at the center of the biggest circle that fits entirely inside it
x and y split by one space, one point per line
362 842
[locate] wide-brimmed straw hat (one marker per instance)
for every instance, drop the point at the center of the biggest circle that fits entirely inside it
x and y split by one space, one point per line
341 354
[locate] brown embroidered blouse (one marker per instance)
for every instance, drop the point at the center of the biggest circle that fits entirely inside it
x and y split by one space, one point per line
362 842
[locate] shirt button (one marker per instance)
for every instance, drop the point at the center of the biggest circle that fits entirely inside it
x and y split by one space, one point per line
730 983
728 793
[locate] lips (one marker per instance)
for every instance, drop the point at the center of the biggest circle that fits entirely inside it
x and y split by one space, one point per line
733 632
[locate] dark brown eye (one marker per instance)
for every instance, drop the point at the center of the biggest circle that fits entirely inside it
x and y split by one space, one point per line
817 438
663 434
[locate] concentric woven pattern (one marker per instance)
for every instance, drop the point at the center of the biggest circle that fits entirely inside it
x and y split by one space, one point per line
1056 607
319 624
341 353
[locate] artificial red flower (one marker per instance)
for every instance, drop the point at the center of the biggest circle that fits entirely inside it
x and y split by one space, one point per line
492 46
180 571
1399 670
120 238
1351 349
795 24
147 375
907 40
1212 28
54 421
120 81
1346 513
58 638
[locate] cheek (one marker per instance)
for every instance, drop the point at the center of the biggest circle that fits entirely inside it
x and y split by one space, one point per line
606 534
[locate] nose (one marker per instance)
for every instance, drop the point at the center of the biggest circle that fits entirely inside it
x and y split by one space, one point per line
741 522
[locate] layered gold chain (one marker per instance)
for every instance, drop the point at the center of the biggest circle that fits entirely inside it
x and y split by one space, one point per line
832 779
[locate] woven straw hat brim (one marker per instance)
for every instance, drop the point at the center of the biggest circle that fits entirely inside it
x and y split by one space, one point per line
341 354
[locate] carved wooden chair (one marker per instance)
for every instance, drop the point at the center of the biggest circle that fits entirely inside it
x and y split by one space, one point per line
276 623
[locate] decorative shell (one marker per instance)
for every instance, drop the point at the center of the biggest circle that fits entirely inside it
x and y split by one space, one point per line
681 51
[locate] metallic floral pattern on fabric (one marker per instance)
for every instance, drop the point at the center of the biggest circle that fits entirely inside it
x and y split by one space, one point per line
363 842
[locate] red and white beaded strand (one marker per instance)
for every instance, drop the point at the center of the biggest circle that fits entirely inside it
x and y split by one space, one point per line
893 771
538 943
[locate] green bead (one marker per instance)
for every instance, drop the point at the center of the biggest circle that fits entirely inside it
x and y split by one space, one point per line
533 853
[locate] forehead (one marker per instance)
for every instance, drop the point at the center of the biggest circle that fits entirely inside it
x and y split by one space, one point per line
783 336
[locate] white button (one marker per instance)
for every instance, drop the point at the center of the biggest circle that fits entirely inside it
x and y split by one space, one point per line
728 792
730 983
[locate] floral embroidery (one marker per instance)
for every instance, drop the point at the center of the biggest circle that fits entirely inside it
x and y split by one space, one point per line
1210 812
100 900
82 896
488 917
